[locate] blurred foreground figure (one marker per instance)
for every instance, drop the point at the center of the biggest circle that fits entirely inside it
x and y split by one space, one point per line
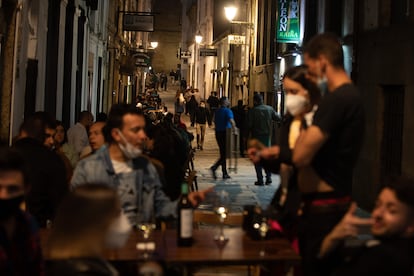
88 221
327 151
47 173
20 252
391 251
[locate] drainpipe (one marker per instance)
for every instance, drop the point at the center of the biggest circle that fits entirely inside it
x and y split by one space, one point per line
15 53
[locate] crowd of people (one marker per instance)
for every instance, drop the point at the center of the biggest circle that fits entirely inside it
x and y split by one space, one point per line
128 153
92 182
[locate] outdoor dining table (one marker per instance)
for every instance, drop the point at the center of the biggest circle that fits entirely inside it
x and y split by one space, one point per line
240 249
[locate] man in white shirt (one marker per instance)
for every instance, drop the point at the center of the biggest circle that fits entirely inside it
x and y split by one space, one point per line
78 134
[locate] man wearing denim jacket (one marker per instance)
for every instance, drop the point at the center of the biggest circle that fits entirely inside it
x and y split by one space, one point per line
121 166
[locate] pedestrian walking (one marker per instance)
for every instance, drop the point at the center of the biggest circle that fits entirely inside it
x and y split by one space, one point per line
223 120
201 118
260 127
240 113
213 103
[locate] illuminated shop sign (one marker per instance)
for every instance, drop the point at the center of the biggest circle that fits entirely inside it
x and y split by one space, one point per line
288 21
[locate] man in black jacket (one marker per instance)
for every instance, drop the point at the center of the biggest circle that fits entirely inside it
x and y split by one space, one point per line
47 173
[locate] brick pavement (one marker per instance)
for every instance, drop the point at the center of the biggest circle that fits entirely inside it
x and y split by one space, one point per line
241 186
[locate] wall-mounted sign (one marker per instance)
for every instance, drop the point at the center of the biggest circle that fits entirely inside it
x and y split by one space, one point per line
142 60
237 39
138 22
288 21
206 52
186 54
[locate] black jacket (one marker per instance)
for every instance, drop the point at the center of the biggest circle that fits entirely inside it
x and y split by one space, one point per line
47 179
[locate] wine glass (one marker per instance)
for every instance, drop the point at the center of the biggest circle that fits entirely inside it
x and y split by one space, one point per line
262 227
221 209
146 224
146 228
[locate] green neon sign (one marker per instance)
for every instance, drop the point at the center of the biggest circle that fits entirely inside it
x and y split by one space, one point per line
288 21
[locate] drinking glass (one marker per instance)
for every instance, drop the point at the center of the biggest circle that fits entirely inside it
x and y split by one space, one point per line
221 209
262 227
146 225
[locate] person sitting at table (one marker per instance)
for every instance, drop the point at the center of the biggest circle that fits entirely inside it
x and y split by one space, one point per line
122 166
20 250
89 220
391 252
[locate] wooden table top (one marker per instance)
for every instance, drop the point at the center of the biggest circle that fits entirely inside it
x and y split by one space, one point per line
240 249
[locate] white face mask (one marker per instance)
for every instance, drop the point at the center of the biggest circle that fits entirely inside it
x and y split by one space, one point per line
129 150
296 104
118 232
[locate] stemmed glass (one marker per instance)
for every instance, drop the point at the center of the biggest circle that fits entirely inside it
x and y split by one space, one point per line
146 225
262 227
221 209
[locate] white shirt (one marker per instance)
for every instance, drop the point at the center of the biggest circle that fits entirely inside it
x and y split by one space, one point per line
78 137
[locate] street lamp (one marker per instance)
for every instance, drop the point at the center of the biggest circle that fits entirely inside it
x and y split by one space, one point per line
198 39
154 44
230 12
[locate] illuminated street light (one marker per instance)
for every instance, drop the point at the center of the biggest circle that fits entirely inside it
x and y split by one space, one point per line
154 44
230 12
198 37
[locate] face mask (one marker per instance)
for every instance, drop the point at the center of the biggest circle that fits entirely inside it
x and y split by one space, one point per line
118 232
10 206
295 104
128 149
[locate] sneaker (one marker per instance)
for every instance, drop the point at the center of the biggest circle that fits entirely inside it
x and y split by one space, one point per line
213 173
258 183
226 176
268 181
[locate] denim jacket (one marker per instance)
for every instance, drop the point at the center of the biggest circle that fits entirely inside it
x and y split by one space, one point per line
143 182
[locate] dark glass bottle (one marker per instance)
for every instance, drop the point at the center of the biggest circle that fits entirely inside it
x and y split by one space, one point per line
185 218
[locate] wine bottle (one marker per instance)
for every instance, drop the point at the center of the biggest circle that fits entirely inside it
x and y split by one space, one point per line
185 218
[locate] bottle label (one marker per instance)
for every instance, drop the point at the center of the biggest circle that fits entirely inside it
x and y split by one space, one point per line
186 223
